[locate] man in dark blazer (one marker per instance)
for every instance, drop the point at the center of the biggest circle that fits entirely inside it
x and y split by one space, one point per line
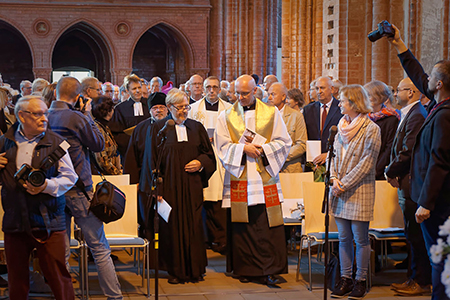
430 162
129 113
413 115
316 127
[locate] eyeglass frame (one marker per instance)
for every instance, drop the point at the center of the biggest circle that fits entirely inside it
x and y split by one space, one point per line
185 107
36 115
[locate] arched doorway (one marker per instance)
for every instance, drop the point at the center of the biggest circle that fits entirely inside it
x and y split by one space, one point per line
16 63
159 53
82 48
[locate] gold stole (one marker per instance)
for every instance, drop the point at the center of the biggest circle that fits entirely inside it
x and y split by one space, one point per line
264 118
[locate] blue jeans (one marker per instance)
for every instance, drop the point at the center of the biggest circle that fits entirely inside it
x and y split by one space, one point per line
430 230
94 234
359 231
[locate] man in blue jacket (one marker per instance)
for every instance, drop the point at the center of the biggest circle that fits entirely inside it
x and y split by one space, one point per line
34 215
83 135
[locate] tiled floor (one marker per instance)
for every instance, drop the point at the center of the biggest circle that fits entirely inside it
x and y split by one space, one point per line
221 286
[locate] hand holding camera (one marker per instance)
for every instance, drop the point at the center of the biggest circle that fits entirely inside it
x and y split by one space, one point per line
391 32
33 190
83 104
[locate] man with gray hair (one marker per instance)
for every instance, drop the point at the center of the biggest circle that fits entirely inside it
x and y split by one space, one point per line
25 88
156 84
34 211
196 88
89 88
108 89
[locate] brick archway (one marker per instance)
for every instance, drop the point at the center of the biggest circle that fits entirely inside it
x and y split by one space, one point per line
163 50
83 46
17 61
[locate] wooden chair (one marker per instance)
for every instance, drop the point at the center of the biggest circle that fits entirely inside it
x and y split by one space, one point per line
314 227
387 214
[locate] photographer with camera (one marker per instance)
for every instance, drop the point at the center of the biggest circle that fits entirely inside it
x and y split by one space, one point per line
35 172
78 127
430 162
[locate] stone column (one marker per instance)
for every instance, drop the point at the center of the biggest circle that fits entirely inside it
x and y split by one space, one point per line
45 73
216 37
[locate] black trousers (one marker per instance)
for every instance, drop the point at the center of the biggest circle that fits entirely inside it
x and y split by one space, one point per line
216 222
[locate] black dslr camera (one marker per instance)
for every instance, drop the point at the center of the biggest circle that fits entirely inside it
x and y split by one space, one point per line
34 176
37 176
384 29
80 104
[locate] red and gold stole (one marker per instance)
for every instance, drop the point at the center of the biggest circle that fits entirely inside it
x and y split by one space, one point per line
264 118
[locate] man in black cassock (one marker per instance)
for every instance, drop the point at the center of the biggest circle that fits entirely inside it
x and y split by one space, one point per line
128 113
187 162
135 156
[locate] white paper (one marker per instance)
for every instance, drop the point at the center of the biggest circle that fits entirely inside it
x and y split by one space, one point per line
164 210
313 149
257 138
211 120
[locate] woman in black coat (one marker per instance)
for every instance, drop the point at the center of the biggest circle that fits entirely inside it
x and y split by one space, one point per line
386 118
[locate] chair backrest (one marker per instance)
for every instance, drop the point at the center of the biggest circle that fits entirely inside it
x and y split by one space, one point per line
387 211
127 226
312 199
117 180
291 184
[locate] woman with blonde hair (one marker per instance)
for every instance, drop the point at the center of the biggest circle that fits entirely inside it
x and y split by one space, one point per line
352 194
386 118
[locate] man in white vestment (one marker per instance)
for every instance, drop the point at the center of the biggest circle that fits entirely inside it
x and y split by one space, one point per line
252 143
206 112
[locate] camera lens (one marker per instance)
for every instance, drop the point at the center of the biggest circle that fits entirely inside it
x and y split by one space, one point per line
374 36
36 178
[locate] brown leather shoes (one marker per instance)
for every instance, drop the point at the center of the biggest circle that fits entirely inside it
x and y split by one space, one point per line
414 289
401 286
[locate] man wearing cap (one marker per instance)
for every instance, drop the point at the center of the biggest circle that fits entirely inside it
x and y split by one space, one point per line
206 112
135 151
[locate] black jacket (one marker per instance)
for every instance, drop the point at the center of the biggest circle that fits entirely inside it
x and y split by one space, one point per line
402 147
15 201
311 113
388 126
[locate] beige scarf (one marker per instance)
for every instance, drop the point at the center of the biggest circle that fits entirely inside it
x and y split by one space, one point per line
348 128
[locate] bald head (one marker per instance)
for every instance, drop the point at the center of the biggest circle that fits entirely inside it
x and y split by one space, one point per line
196 86
245 87
67 89
406 92
277 95
268 81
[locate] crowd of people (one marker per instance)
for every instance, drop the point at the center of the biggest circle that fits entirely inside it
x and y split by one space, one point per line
219 147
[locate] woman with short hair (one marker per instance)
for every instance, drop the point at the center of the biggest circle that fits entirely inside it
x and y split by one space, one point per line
295 99
352 195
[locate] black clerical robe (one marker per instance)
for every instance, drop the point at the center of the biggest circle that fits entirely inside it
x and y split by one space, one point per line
124 118
182 245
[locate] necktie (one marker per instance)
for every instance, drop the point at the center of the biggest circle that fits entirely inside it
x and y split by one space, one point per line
324 117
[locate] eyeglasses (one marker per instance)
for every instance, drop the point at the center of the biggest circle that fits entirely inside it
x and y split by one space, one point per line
399 90
37 115
97 89
185 107
215 87
243 94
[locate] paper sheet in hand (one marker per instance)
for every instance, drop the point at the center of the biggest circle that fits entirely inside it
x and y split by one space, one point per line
164 210
257 138
313 149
